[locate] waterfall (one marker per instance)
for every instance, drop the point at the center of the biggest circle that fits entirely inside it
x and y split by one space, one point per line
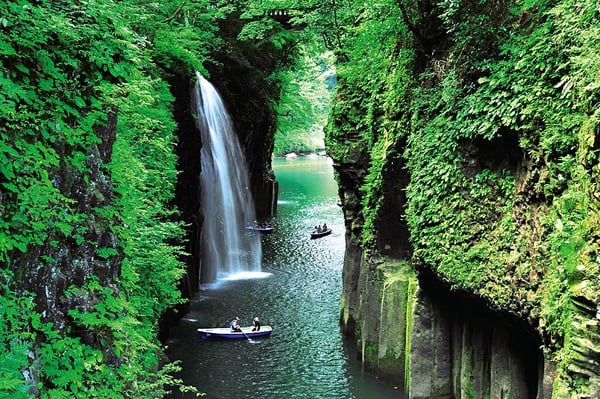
228 251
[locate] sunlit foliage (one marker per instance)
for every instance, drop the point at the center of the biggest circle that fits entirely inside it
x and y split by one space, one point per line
74 77
494 108
307 88
491 108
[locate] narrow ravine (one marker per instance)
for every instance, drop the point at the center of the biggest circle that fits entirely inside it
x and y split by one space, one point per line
299 297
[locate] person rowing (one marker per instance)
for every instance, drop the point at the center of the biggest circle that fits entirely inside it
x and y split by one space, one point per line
235 325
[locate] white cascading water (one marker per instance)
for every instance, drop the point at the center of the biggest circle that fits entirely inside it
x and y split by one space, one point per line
228 250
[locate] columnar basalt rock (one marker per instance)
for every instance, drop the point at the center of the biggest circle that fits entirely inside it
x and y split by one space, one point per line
415 332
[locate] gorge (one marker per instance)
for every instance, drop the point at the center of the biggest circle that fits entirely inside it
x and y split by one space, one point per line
464 136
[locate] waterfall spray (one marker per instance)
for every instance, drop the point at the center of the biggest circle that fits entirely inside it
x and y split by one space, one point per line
227 249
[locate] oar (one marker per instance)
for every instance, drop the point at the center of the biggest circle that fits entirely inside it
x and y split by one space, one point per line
247 337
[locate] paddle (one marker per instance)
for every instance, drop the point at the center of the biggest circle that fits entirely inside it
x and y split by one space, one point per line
239 328
247 337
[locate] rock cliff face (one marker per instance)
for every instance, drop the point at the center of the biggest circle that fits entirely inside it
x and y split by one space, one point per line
241 80
468 178
413 328
417 333
76 263
461 349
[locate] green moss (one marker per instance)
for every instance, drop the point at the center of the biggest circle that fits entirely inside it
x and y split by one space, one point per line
371 355
516 224
399 286
390 363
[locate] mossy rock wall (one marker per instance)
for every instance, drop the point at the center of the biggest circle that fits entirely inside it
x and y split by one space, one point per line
433 343
470 152
464 351
380 308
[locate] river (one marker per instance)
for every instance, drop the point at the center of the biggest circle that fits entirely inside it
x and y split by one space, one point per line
298 294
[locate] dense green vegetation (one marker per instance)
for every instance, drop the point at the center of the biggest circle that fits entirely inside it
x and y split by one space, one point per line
494 108
491 108
75 79
304 105
90 243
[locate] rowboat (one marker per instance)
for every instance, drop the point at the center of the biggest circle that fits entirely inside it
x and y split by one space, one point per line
319 234
260 229
225 332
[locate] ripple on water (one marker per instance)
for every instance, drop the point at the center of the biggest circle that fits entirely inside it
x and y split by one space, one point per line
299 296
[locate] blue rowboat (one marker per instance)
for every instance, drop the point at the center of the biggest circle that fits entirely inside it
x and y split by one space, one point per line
320 234
225 332
261 229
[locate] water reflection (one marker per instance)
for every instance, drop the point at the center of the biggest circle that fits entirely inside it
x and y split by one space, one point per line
298 295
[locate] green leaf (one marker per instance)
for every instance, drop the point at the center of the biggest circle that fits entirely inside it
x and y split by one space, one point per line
22 68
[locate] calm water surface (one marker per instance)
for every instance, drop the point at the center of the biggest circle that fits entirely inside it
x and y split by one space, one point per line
298 295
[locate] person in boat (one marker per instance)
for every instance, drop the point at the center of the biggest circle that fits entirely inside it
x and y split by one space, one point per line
235 325
255 324
324 226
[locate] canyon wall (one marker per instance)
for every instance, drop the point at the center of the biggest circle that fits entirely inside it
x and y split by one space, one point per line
468 175
99 166
242 74
430 342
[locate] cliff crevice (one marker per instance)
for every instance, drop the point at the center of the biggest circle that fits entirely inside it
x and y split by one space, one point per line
478 174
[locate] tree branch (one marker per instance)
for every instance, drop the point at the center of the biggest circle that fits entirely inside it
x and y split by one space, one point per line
172 17
407 21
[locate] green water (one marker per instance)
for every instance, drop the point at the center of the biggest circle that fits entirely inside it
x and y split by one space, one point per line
298 294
